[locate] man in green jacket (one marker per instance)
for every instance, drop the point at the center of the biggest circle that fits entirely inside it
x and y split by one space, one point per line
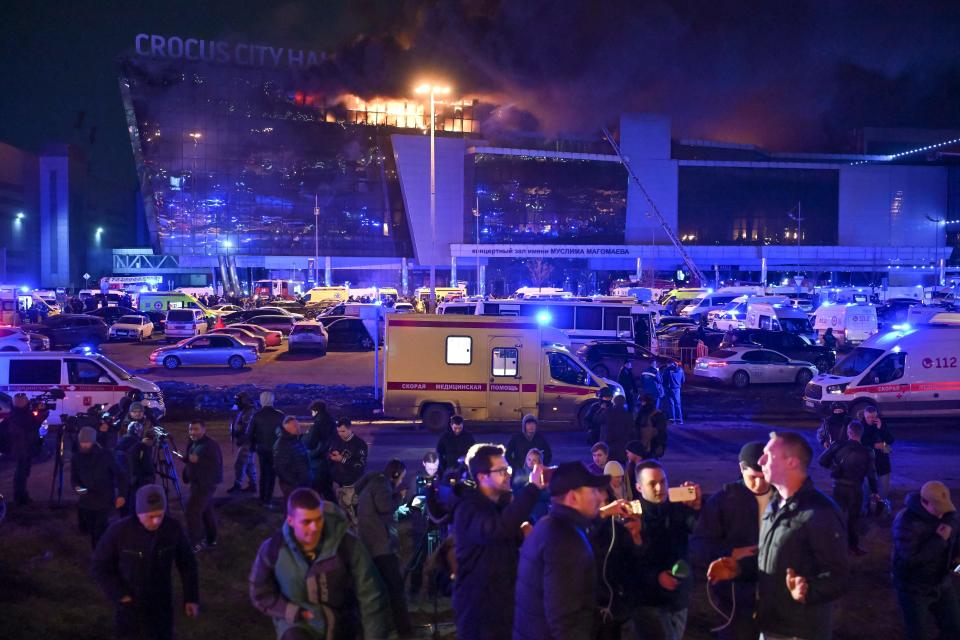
316 579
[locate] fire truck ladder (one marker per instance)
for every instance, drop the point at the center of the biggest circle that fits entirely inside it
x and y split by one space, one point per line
687 260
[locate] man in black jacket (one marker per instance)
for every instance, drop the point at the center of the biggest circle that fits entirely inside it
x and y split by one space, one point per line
664 554
650 428
802 563
203 471
850 463
877 436
134 456
728 532
348 463
99 481
556 580
261 434
926 548
629 383
317 442
290 458
133 562
454 444
244 465
22 427
487 538
528 438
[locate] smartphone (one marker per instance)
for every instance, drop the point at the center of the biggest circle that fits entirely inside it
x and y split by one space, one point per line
956 569
636 507
682 494
548 473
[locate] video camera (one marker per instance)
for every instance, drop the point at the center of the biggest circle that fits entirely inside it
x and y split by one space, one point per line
46 401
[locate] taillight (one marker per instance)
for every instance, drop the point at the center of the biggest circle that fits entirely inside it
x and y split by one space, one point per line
721 363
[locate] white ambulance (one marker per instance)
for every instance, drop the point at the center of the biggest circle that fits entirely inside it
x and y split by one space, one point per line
911 371
487 369
851 323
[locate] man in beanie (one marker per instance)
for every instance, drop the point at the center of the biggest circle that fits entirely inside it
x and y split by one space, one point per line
133 566
726 539
99 482
528 438
556 580
203 471
926 549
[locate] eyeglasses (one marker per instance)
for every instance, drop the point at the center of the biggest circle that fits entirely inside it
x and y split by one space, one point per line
504 470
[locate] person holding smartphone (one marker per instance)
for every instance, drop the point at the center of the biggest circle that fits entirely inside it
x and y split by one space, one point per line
926 550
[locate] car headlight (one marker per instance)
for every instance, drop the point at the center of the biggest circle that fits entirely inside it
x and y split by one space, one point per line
837 389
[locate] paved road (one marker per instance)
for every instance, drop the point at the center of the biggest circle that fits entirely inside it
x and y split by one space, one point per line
276 366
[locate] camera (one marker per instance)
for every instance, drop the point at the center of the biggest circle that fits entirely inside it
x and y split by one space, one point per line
46 401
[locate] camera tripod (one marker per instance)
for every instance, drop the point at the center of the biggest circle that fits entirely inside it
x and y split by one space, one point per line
166 470
56 483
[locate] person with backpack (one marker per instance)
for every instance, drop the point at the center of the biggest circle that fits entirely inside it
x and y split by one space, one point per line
244 466
850 462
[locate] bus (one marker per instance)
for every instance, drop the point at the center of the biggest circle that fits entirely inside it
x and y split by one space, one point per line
286 289
582 321
131 284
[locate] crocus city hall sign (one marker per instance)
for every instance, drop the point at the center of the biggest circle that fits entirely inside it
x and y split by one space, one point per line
217 51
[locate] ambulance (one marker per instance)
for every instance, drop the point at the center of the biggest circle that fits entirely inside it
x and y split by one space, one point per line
486 369
327 294
911 371
851 323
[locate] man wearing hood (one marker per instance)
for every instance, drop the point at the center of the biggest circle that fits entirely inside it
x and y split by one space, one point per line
454 444
99 482
528 438
315 579
244 466
926 549
381 494
317 441
21 427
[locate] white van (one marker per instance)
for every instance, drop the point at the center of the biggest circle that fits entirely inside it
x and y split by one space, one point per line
86 380
483 368
906 372
707 302
851 323
184 323
326 294
778 317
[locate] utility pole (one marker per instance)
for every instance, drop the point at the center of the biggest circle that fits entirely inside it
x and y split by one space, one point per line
316 240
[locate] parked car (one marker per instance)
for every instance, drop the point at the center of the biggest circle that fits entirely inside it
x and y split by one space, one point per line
71 329
308 335
39 342
158 318
111 314
276 309
281 323
246 315
789 344
404 307
348 334
742 366
185 323
272 338
206 349
134 327
226 308
669 321
244 336
14 339
606 357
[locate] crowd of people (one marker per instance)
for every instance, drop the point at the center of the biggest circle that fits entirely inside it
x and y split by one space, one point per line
526 547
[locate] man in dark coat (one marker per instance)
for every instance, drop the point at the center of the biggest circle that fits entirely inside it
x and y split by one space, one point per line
454 444
833 428
597 414
134 455
617 429
664 554
802 562
203 471
261 434
317 441
877 436
556 581
381 494
652 383
727 533
673 379
626 380
99 481
133 562
528 438
650 428
21 428
244 466
348 463
850 463
926 548
290 458
487 538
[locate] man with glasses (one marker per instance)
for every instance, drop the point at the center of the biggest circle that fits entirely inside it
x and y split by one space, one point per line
488 535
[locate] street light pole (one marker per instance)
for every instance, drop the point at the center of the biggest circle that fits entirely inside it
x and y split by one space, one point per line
316 240
476 249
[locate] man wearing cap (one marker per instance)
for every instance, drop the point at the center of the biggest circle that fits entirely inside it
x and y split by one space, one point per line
664 554
556 581
22 428
487 536
725 540
925 552
133 565
99 482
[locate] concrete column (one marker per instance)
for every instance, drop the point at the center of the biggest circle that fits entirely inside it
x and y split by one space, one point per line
763 271
483 279
327 271
639 276
453 271
404 277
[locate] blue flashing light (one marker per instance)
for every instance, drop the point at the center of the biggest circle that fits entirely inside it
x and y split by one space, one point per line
902 327
544 317
25 289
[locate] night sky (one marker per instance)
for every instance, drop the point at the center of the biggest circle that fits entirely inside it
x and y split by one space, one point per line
785 75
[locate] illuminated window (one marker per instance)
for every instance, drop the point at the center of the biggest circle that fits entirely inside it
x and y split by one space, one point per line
459 350
505 361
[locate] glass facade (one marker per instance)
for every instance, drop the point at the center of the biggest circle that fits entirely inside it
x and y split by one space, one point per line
746 206
232 161
531 199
